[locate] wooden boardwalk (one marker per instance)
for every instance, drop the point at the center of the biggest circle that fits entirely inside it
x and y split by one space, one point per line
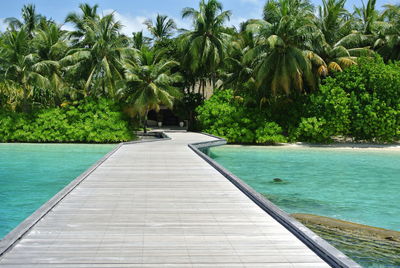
158 204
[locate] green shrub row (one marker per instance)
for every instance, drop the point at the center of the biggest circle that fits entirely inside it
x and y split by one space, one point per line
362 102
90 120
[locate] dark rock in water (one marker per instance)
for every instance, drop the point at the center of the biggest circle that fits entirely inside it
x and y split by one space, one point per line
277 180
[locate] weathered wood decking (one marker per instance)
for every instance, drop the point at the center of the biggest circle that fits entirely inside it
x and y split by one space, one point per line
158 204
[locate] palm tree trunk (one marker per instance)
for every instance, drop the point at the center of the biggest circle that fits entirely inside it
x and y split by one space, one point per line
190 121
204 89
145 120
25 104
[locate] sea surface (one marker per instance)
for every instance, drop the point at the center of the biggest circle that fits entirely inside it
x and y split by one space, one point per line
30 174
356 185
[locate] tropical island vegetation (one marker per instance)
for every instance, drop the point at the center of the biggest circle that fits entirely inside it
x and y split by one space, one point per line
300 73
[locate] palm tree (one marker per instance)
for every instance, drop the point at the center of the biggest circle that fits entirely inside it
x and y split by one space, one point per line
239 64
139 40
98 62
275 10
391 13
30 20
333 20
327 59
284 38
50 42
163 27
366 15
388 43
22 66
363 32
331 54
150 81
81 21
204 47
51 46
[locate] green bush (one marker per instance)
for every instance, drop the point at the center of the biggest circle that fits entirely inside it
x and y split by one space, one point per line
362 102
270 133
327 114
313 129
97 121
374 91
225 115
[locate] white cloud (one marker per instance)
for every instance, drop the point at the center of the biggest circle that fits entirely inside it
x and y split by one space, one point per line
135 23
131 23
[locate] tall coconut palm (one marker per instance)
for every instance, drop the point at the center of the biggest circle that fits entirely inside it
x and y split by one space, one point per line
98 62
50 44
335 25
333 20
163 27
275 10
30 20
150 81
363 32
388 43
281 51
366 15
204 47
238 64
22 66
81 22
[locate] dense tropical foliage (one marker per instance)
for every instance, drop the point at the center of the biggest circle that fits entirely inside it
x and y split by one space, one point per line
87 120
299 72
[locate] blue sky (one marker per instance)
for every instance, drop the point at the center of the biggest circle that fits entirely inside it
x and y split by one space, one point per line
132 13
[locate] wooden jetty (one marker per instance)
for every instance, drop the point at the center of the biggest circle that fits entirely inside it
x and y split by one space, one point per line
155 204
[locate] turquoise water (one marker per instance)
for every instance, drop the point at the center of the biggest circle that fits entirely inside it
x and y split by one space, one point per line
30 174
357 185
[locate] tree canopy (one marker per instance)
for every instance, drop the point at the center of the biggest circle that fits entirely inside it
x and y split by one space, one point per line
287 52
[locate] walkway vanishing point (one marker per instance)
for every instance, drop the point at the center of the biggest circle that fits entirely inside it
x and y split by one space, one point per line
155 204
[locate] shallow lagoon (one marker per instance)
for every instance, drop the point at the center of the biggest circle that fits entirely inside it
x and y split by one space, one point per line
30 174
357 185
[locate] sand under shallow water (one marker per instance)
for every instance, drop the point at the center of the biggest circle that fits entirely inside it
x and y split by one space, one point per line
370 246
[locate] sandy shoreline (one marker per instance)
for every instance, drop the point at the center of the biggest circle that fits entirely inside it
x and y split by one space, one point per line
345 146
